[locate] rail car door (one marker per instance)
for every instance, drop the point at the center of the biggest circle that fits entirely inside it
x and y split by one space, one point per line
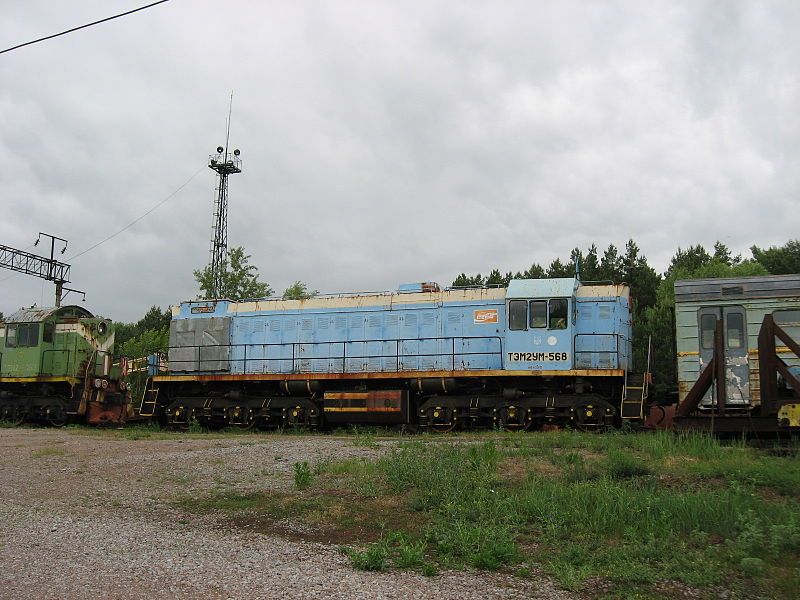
737 369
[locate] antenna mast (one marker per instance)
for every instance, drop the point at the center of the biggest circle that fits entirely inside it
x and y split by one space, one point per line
224 164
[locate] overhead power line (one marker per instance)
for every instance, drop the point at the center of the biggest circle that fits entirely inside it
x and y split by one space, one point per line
50 37
137 219
129 225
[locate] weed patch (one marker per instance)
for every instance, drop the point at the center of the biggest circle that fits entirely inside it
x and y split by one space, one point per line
302 475
49 451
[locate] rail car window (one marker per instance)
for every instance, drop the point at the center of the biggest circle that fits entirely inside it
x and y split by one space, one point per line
538 314
48 333
518 315
734 331
24 335
558 313
707 325
787 317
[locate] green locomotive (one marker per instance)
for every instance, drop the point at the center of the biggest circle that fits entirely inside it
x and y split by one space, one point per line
56 367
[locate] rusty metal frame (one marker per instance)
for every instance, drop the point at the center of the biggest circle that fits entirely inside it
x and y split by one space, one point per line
770 364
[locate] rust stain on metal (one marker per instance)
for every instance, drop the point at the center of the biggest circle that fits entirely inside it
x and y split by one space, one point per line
98 414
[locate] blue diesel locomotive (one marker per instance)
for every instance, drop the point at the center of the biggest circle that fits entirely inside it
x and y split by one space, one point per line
542 351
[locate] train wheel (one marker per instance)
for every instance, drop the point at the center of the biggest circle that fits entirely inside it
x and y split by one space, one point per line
13 415
55 415
241 418
596 415
442 419
514 418
297 417
180 419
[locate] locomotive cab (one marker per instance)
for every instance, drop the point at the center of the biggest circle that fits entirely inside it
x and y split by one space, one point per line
56 363
540 314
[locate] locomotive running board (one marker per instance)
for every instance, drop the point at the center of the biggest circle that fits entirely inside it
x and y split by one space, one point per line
386 375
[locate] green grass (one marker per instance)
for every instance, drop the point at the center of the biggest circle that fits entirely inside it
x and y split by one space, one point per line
609 516
49 451
629 510
302 475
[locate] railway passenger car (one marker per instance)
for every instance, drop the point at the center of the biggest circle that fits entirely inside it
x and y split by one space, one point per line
55 366
741 303
540 351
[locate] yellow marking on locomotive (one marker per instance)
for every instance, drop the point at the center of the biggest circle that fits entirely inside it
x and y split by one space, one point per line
70 380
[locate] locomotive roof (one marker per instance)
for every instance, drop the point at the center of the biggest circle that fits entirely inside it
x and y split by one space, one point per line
733 288
551 288
36 314
560 287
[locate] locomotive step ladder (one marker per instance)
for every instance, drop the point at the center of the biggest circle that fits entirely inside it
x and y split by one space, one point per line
633 396
149 402
635 391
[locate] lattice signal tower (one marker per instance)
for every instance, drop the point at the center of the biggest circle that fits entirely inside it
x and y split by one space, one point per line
224 164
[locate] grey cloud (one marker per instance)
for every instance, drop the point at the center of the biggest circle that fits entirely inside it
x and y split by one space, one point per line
387 142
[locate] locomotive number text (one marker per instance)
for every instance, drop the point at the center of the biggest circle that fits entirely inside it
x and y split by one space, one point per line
547 356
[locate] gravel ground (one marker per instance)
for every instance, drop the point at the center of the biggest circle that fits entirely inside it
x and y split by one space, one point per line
92 516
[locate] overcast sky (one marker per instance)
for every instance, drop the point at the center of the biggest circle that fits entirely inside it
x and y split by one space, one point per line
389 142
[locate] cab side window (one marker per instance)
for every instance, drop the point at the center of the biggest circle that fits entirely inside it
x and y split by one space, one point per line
558 313
23 335
518 315
538 314
11 336
49 332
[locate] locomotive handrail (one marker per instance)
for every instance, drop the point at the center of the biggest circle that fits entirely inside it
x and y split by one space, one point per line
344 356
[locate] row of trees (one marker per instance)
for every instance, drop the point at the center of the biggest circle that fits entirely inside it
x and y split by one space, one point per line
652 292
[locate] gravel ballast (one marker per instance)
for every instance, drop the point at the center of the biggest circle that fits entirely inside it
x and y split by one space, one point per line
93 516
